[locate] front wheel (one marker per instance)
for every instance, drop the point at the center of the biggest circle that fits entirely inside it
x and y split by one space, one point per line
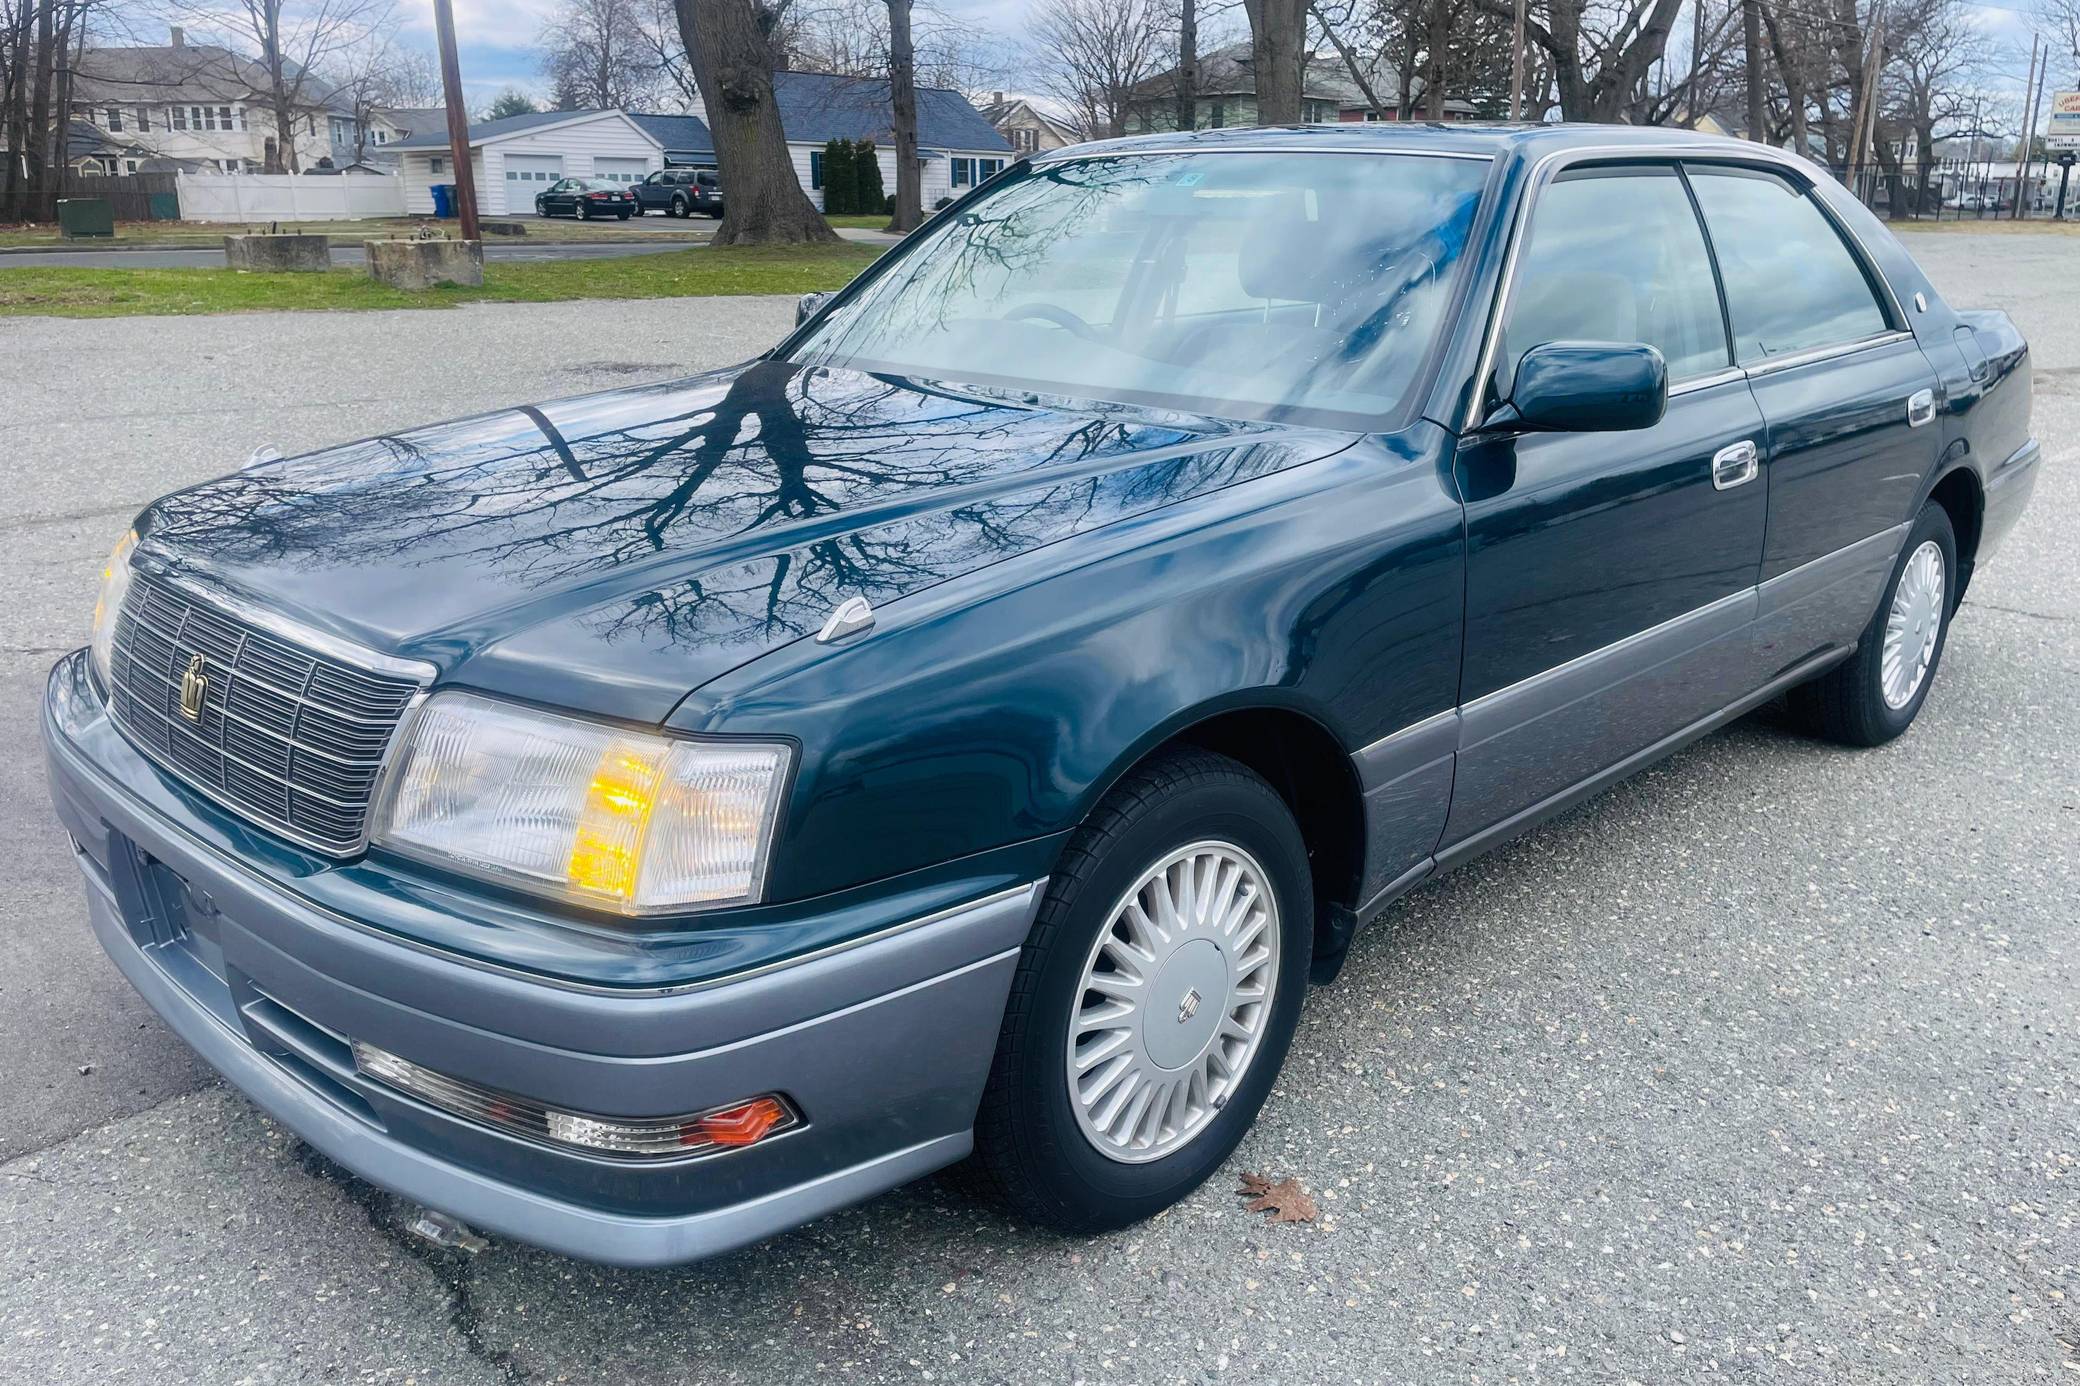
584 211
1154 1000
1876 694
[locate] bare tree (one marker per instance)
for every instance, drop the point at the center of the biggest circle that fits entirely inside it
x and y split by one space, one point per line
1278 51
1091 54
292 42
734 52
853 38
597 55
1600 50
410 79
902 100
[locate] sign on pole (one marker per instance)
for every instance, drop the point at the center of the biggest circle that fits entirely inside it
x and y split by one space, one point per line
2062 131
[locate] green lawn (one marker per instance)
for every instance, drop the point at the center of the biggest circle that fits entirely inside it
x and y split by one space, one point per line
861 223
97 293
175 234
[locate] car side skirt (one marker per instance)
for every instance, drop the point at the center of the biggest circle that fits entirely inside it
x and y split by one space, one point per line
1446 789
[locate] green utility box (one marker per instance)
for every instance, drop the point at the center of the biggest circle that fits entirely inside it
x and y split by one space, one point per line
164 206
86 216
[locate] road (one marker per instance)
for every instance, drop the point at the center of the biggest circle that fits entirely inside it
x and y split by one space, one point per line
1764 1065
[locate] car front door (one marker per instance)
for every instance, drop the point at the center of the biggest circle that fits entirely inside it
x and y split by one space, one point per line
651 192
558 198
1846 395
1610 576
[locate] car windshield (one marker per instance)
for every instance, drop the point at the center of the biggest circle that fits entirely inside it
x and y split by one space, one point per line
1297 287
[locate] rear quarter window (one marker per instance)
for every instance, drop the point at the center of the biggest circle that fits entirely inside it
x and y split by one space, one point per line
1792 283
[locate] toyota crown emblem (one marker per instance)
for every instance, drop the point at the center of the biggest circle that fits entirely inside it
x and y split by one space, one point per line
194 684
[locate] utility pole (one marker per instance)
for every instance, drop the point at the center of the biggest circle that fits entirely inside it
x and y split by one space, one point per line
458 121
2030 95
1516 65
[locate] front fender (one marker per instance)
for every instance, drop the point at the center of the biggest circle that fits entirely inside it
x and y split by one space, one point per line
997 708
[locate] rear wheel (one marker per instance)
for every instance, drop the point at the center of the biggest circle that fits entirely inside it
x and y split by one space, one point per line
1154 1000
1876 694
584 210
679 208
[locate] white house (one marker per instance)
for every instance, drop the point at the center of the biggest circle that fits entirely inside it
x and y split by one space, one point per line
956 147
193 107
515 158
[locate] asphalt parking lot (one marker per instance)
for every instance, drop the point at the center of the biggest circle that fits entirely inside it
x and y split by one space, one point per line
1763 1066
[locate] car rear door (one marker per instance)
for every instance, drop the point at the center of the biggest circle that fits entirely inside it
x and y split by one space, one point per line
1610 576
1846 395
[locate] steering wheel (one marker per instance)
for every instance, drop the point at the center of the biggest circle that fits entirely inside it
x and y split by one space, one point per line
1060 317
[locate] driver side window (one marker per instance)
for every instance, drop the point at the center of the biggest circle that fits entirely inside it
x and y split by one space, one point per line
1615 254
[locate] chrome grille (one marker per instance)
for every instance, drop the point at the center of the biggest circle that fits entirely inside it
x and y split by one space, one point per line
290 738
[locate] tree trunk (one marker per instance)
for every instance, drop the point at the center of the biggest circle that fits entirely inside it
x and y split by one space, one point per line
1433 77
1188 65
732 51
1751 41
1793 73
16 134
43 179
902 96
1278 48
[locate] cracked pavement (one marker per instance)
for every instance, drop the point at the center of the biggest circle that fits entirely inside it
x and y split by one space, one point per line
1765 1064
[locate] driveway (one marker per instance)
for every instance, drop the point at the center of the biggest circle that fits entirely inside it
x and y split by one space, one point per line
1764 1065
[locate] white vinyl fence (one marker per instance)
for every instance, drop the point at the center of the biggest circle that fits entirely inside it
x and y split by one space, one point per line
249 197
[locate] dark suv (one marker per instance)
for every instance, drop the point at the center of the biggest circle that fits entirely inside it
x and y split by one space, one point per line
680 192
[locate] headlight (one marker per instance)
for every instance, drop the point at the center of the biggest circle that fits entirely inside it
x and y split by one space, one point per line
115 583
590 813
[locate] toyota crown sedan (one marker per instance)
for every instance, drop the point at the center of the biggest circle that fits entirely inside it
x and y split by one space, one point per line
639 823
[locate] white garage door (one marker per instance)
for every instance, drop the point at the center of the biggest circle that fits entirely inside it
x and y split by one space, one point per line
532 172
621 170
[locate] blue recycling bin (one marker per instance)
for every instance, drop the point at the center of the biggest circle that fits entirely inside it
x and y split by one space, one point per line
444 199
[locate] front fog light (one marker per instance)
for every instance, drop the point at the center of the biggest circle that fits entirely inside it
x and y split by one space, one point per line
729 1127
108 604
599 815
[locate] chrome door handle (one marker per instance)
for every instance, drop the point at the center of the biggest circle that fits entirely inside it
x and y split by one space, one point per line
1921 408
1735 463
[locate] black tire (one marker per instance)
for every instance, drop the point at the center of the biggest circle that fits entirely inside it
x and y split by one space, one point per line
1847 704
623 216
1030 1148
581 210
680 208
716 214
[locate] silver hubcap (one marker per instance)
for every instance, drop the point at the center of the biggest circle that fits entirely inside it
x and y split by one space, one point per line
1175 1000
1913 624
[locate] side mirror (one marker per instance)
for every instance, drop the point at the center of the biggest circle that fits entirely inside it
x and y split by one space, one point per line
1586 387
808 306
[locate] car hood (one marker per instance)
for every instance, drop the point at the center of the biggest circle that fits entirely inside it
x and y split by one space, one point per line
614 551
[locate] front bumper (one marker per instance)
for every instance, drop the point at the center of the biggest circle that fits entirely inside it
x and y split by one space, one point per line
883 1046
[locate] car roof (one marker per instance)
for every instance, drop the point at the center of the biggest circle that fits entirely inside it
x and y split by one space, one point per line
1465 138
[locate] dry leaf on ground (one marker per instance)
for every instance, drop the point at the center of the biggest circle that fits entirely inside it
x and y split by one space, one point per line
1285 1200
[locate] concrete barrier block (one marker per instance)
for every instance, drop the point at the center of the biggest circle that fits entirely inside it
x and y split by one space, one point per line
423 264
278 253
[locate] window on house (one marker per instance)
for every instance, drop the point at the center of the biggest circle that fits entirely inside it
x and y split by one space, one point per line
180 117
1219 116
380 136
115 118
144 118
963 173
129 165
985 169
815 170
436 165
